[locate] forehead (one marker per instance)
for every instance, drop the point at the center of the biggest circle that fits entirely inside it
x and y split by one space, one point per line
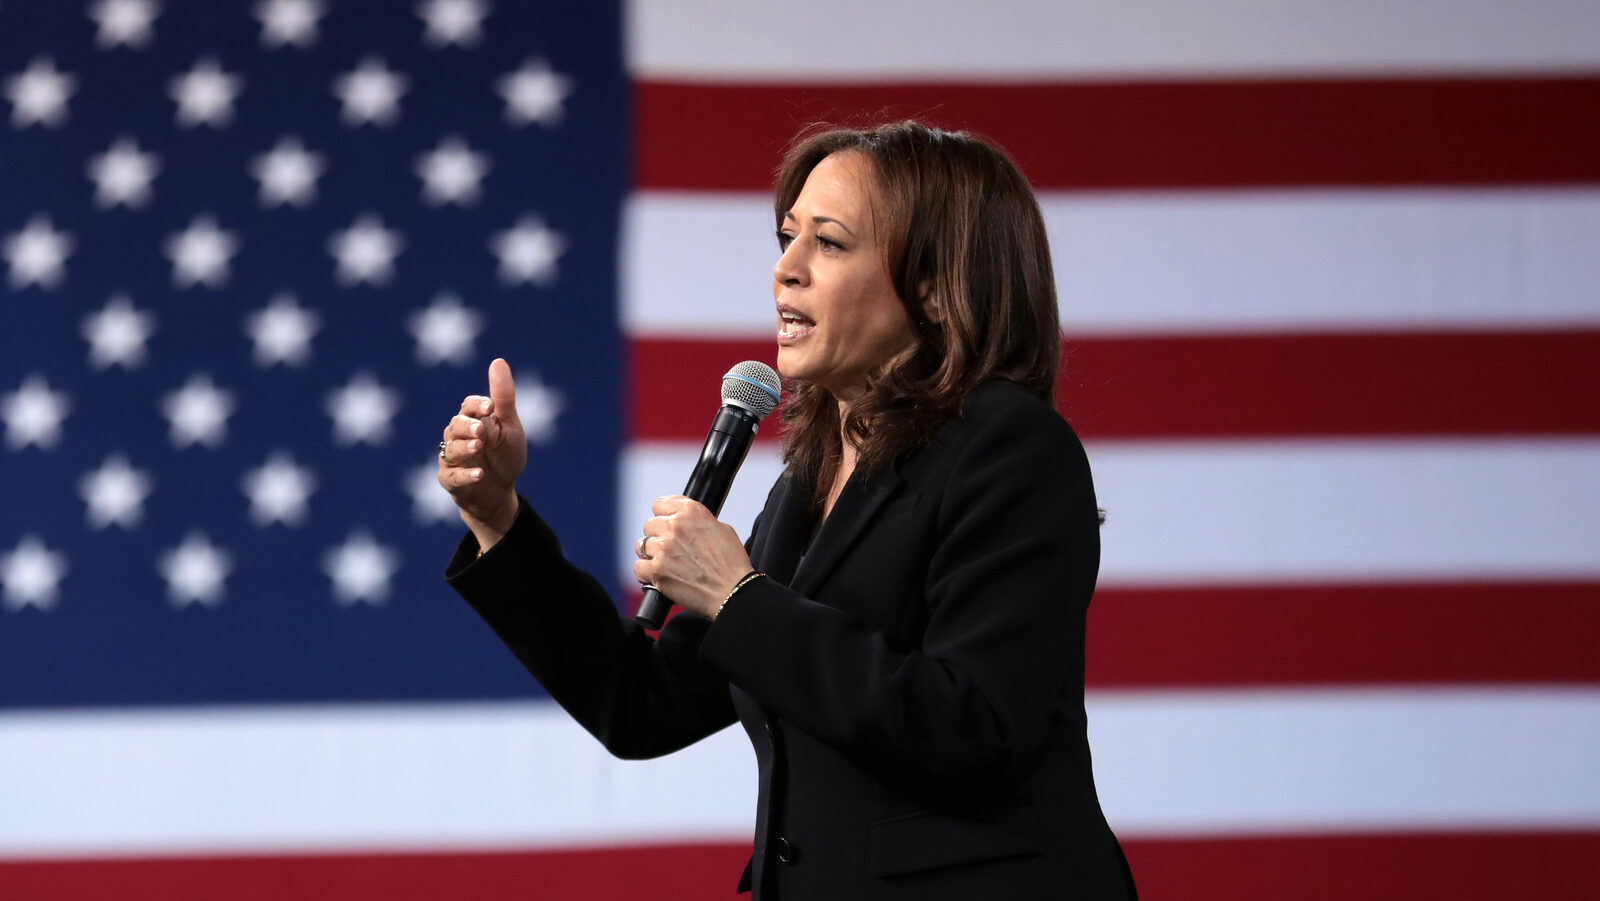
844 178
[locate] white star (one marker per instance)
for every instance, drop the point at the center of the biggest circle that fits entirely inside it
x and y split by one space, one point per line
430 503
282 331
115 493
288 173
33 414
205 95
365 251
370 93
39 94
289 22
123 174
124 21
38 254
534 93
117 334
528 252
361 410
198 412
538 405
200 253
279 491
32 574
360 569
453 21
451 172
195 571
444 331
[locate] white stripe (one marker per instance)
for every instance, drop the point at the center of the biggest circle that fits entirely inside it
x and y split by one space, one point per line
1283 511
348 777
1328 761
1154 262
521 775
951 40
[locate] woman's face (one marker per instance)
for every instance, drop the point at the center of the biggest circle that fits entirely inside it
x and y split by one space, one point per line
838 315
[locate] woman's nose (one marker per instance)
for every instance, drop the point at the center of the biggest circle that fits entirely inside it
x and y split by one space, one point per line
790 270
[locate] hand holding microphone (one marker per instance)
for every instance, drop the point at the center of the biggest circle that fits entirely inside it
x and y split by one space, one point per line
684 549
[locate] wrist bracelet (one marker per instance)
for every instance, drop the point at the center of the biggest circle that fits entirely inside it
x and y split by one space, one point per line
749 577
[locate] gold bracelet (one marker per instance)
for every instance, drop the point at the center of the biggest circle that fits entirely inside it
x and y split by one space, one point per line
749 577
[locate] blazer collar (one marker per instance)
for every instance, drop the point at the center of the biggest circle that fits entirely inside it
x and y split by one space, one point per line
858 503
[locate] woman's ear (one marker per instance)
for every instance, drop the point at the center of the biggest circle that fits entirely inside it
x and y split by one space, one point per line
932 310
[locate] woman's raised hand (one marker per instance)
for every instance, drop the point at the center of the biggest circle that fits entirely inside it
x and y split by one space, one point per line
483 452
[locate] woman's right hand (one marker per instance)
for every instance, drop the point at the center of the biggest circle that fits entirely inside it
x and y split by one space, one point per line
485 450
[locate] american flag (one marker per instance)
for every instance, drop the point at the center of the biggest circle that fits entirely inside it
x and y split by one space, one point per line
1330 285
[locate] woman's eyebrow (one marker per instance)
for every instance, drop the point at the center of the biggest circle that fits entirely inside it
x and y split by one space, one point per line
791 215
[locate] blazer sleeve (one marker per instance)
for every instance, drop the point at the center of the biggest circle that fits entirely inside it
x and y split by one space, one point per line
1007 591
641 697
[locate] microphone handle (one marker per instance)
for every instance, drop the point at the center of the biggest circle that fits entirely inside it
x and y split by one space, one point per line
720 458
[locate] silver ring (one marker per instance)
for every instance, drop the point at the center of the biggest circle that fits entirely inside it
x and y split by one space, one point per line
442 446
639 548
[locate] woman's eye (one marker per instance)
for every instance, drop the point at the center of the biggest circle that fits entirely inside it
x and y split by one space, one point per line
829 243
784 240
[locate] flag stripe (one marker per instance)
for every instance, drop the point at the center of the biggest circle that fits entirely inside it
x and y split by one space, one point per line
516 776
1186 262
1280 512
901 40
622 873
1477 866
1433 383
1345 635
1412 131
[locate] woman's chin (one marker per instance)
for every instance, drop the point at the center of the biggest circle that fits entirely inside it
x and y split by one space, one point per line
791 363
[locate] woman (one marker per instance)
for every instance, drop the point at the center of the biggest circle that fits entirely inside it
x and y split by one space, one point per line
903 633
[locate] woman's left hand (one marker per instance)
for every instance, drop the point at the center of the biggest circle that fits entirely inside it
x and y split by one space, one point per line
689 556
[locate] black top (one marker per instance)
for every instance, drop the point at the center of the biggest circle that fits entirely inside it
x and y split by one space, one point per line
913 690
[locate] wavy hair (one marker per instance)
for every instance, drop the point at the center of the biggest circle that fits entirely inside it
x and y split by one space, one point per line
963 227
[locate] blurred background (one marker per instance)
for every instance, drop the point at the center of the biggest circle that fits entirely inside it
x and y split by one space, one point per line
1330 288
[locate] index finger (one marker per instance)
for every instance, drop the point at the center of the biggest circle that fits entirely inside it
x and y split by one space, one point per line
477 405
672 503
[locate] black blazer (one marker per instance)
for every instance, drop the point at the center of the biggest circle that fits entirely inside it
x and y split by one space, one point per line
912 683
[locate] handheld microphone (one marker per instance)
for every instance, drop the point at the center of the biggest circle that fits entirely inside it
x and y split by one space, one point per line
749 392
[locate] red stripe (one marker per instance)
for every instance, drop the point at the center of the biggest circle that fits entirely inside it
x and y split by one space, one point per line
662 872
1464 867
1457 131
1344 635
1414 383
1303 635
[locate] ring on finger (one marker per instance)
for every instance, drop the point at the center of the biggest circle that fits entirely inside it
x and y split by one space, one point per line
442 446
640 548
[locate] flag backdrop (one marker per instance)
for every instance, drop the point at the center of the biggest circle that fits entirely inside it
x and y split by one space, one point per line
1330 286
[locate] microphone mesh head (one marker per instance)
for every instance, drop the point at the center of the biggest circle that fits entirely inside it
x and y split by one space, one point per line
753 386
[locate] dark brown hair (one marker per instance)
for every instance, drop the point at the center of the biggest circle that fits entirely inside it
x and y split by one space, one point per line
962 223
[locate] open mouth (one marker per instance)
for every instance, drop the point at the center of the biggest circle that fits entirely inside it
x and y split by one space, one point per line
792 326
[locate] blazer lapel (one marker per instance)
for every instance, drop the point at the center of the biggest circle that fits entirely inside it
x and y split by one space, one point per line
786 534
858 503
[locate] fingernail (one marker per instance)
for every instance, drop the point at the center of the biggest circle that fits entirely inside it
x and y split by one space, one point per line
476 425
477 474
473 445
484 406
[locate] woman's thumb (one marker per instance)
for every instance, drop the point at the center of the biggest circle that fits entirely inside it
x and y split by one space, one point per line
503 391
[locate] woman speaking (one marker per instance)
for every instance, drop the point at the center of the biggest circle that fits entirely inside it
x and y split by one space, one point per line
902 634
